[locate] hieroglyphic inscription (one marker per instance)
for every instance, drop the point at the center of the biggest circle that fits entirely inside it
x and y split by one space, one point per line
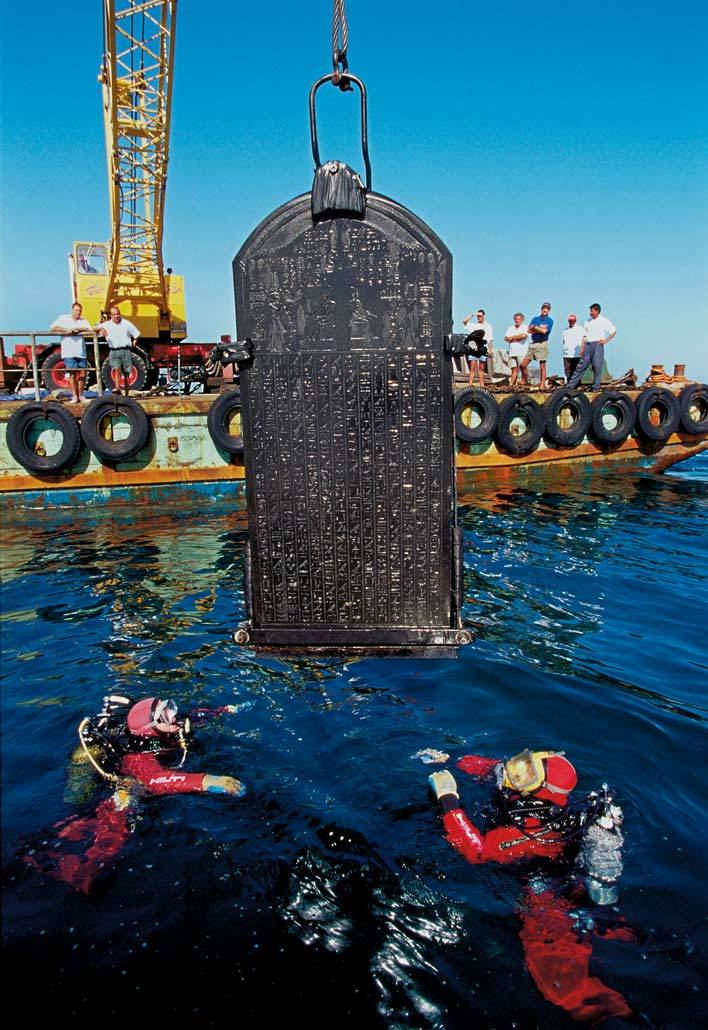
348 421
349 517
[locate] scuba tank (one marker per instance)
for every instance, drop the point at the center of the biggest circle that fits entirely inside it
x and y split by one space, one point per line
601 851
81 776
96 749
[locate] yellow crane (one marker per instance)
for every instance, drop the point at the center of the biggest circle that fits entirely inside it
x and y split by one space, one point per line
136 79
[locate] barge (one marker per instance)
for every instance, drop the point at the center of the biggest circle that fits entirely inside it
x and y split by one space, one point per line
184 446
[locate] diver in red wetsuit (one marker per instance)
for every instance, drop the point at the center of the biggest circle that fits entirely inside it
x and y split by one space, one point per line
139 748
535 821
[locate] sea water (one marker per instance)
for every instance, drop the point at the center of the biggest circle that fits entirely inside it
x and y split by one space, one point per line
328 893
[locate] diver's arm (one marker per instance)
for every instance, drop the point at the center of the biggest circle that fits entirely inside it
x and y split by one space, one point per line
477 765
202 714
503 844
146 769
461 833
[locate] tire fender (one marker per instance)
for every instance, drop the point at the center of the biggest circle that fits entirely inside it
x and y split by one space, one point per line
628 416
668 406
532 413
694 397
115 450
225 405
18 426
486 405
579 405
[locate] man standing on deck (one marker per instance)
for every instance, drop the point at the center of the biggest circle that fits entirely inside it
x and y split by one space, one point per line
516 337
121 334
598 331
73 347
480 348
481 322
573 340
540 330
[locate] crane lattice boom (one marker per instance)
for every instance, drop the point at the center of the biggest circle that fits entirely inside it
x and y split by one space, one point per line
137 97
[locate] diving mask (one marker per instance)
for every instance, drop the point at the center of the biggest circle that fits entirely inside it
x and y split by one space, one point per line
525 772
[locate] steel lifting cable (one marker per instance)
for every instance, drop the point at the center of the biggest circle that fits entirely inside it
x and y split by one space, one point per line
340 42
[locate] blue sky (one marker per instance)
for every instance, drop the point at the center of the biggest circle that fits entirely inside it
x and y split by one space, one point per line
558 149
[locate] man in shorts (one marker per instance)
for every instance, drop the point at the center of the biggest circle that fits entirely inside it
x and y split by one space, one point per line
540 330
479 344
121 334
73 347
516 336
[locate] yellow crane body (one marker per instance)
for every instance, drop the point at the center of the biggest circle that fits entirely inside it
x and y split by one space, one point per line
136 79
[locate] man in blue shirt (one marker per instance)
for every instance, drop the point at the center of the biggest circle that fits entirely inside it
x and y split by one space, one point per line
540 329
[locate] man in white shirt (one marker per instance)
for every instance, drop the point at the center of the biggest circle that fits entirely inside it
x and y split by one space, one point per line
598 331
120 334
573 340
516 336
480 348
73 347
481 322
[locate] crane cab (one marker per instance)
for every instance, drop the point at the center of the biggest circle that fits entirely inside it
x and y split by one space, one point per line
89 275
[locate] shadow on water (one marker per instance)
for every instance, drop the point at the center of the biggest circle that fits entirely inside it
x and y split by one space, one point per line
329 892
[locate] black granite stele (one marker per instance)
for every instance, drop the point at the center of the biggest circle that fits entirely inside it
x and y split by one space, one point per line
348 428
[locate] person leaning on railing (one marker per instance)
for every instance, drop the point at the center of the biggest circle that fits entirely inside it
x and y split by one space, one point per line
120 334
73 347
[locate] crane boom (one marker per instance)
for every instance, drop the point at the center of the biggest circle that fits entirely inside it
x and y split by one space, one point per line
136 75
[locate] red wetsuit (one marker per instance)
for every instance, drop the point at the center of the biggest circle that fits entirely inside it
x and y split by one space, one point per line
103 834
502 843
146 769
556 957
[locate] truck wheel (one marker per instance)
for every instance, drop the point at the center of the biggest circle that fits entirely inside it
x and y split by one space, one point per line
115 440
26 428
138 374
55 375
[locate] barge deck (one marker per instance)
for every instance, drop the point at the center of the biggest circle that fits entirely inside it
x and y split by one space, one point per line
181 452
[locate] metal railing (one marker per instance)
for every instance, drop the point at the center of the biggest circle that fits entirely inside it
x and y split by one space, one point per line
33 335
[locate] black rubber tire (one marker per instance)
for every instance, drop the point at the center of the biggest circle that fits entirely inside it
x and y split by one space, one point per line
55 376
695 394
138 377
475 396
667 403
580 406
118 450
50 380
219 411
21 420
511 408
622 430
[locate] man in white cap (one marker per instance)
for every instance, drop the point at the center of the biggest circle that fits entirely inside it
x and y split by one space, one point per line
573 340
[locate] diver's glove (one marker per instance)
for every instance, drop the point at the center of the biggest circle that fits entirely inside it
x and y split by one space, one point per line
443 785
223 785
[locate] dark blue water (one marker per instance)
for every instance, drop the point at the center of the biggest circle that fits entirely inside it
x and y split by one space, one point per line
329 893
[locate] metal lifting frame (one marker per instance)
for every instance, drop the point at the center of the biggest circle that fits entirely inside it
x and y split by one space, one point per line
136 75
